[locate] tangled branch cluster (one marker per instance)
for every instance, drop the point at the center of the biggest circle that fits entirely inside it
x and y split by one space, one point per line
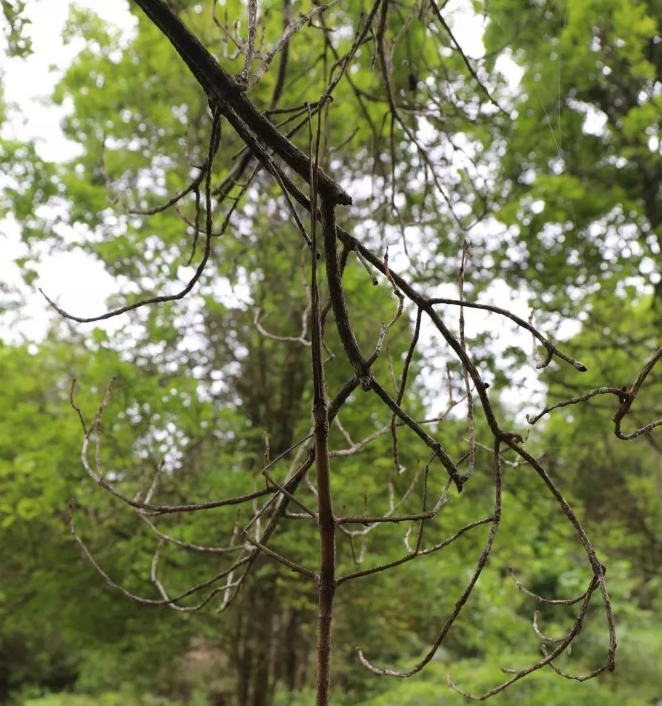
308 189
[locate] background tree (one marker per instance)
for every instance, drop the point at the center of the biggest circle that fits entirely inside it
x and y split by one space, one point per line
415 181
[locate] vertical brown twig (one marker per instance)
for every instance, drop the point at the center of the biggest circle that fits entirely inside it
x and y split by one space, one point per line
326 581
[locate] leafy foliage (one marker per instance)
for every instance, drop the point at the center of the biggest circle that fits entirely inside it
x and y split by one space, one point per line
560 202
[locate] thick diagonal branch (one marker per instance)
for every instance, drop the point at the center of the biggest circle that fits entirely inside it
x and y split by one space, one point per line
222 88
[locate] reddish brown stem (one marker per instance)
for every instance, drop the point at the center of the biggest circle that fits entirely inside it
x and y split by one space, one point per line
326 522
327 530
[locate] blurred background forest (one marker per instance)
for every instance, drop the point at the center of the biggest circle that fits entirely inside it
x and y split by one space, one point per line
540 145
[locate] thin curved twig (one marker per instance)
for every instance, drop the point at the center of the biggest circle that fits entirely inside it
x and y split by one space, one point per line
214 143
480 565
